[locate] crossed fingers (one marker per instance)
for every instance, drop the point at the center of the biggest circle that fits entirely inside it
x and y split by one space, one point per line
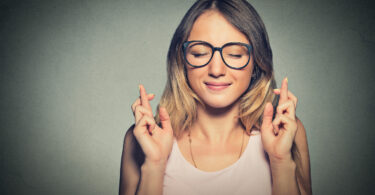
142 109
286 110
139 109
290 96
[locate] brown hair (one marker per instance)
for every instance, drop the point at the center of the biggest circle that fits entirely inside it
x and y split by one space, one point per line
181 101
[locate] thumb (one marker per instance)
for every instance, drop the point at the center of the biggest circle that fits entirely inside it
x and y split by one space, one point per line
267 127
164 119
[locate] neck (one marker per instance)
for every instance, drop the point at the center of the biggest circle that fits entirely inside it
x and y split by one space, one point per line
217 125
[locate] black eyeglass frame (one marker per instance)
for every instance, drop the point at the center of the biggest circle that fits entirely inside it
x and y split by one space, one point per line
214 49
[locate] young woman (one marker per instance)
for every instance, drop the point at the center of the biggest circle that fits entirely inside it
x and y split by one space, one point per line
217 131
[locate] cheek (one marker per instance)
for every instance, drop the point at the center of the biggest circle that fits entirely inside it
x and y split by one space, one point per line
190 78
244 78
192 81
244 82
193 77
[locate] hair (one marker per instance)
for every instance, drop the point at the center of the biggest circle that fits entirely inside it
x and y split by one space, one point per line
181 101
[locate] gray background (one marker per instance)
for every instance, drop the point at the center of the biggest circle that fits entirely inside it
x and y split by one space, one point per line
70 70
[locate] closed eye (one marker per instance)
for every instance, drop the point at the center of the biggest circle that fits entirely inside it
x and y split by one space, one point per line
197 55
235 55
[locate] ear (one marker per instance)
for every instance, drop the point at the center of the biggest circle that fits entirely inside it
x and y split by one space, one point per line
256 74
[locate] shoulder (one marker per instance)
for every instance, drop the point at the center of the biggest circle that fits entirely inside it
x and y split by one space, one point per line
302 159
132 148
301 131
301 138
131 161
299 123
129 136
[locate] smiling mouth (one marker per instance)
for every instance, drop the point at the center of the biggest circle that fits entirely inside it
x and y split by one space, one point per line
217 86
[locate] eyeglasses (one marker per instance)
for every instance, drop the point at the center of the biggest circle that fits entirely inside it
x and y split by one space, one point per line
235 55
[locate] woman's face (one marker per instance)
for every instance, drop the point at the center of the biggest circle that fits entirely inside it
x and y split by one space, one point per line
217 85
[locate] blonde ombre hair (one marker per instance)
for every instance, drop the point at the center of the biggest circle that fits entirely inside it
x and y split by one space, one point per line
181 101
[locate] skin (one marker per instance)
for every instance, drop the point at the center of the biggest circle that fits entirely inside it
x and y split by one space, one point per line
217 130
213 28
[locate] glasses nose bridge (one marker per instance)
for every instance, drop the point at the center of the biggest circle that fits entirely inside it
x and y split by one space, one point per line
218 67
219 49
216 49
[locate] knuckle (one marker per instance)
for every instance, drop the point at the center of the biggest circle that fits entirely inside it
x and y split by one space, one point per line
152 120
140 120
279 109
148 118
132 107
136 109
294 127
140 109
145 118
134 104
291 103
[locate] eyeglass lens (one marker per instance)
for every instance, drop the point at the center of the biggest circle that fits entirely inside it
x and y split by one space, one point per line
234 55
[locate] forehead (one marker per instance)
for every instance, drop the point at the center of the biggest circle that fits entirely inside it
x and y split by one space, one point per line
214 28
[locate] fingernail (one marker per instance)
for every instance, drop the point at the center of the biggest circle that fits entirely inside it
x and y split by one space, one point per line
286 78
276 90
139 86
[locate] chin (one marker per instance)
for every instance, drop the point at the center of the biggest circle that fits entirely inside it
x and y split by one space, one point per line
221 103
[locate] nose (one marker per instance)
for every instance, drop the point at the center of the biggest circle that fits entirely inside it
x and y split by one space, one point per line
216 67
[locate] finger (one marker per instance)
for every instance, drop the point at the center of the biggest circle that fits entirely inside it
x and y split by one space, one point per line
142 133
284 90
276 125
138 101
142 126
147 122
144 100
283 123
287 108
280 123
291 96
165 120
141 111
267 128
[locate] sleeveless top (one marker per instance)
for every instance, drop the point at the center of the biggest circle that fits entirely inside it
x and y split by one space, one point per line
250 174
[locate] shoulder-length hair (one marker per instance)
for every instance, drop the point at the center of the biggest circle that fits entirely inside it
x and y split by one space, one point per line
181 101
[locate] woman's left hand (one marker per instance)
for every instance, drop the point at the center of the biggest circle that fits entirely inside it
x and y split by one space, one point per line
278 135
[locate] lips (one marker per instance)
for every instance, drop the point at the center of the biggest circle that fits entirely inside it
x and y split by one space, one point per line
216 86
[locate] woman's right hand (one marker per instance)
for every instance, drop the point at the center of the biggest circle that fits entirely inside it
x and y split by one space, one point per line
156 142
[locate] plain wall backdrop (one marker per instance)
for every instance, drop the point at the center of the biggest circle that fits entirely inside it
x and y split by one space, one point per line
70 71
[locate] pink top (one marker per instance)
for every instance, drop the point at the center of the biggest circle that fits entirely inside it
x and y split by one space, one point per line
250 174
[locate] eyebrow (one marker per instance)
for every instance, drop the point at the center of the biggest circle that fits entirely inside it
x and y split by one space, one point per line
218 46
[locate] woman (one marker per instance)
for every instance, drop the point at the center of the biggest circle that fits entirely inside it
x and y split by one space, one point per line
216 119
